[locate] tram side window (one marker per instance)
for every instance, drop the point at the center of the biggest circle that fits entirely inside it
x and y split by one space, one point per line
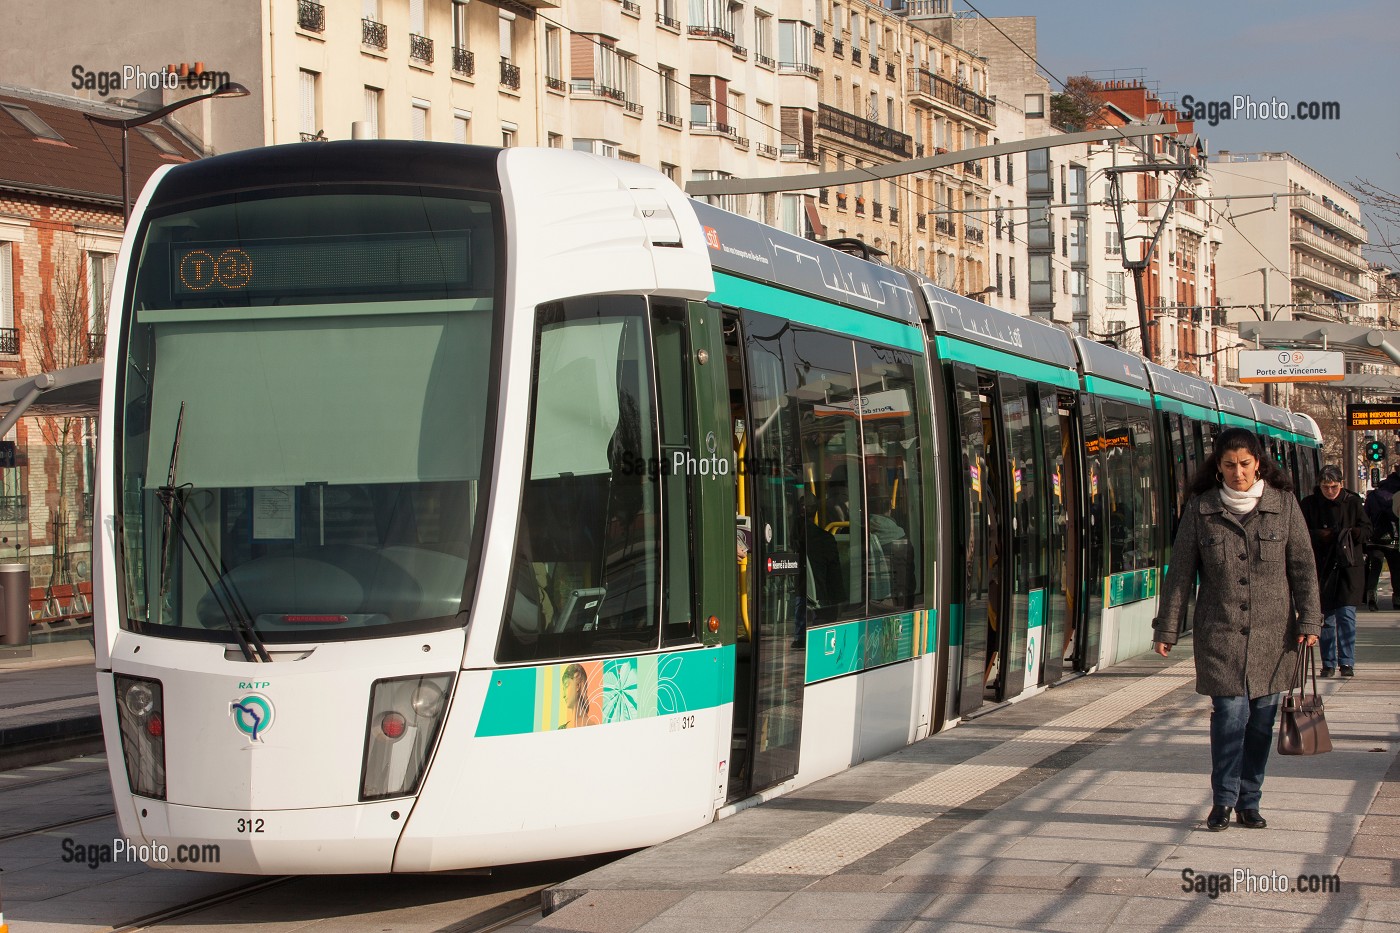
1147 491
890 393
586 573
827 402
1122 501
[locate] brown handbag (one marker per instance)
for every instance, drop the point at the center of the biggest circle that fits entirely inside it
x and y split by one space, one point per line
1302 725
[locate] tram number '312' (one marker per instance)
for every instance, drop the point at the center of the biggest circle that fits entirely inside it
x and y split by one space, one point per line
682 723
250 825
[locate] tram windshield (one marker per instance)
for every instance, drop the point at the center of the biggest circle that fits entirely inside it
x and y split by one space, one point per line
304 413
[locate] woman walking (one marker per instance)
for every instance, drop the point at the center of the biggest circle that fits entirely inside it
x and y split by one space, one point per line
1243 533
1340 530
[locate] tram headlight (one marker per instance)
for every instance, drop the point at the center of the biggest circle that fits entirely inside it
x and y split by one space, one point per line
405 715
141 718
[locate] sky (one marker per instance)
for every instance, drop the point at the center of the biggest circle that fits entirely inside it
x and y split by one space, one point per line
1346 51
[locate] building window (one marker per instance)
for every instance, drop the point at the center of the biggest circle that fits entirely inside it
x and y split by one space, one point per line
102 268
667 98
507 29
420 119
794 45
417 18
460 32
310 112
1035 105
597 147
461 126
763 37
554 57
7 294
374 106
508 131
556 141
670 171
1115 288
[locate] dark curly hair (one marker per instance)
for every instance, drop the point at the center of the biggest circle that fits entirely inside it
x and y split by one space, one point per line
1239 439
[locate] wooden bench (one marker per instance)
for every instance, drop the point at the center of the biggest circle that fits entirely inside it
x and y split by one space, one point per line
60 603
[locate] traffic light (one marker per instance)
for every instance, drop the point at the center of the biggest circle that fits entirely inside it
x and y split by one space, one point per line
1375 451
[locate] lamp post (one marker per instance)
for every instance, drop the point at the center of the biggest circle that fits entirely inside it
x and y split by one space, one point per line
231 89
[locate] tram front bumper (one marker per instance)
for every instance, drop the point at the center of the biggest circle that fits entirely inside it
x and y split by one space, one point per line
325 840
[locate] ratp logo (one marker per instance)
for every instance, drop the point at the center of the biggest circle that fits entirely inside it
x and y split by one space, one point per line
252 715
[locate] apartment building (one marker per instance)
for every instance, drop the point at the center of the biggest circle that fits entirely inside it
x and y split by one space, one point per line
1300 226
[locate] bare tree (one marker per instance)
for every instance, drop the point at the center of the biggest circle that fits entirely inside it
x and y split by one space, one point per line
1385 208
1079 107
62 340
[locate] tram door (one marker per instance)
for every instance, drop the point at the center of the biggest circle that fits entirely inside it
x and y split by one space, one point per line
1062 534
978 587
1093 519
769 523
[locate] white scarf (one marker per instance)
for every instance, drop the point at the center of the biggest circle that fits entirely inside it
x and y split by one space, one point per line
1242 503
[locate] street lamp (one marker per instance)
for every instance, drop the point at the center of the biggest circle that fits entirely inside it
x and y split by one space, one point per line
986 291
230 89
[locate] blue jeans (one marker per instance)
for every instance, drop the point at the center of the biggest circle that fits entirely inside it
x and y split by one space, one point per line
1339 637
1241 735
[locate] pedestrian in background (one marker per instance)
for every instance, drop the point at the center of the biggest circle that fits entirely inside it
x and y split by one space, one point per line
1340 529
1243 534
1382 547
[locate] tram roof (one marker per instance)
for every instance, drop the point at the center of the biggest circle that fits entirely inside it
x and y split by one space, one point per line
967 319
1182 386
390 161
1105 362
766 254
1233 401
1306 426
1268 414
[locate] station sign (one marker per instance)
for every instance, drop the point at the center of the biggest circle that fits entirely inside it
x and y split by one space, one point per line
1291 366
1373 417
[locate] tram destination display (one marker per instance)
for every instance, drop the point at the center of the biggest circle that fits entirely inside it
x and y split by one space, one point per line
1372 417
437 263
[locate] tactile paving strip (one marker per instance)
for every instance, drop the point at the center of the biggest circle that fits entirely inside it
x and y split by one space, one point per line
827 850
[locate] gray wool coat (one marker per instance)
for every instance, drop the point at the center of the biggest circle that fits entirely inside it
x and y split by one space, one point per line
1258 592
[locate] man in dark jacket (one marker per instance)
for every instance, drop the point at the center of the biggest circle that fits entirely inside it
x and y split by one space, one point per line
1382 546
1340 528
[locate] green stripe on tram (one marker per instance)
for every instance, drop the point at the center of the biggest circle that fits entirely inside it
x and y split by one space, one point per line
1098 385
950 348
802 309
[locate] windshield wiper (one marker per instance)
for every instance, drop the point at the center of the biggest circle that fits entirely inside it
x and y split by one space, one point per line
230 602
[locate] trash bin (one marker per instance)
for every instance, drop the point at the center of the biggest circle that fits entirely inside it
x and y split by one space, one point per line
14 604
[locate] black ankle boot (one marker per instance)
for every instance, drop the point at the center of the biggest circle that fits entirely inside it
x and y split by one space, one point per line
1219 819
1250 819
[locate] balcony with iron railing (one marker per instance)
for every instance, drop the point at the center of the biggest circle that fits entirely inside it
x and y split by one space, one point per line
556 84
463 61
670 22
375 35
669 119
838 47
317 137
1328 281
860 206
921 221
1334 251
9 340
945 226
634 108
877 211
874 63
632 8
855 55
932 87
795 152
823 196
864 131
740 52
710 32
584 86
765 60
818 39
803 68
973 168
1313 206
510 75
889 71
767 151
311 16
420 49
975 234
840 200
894 215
